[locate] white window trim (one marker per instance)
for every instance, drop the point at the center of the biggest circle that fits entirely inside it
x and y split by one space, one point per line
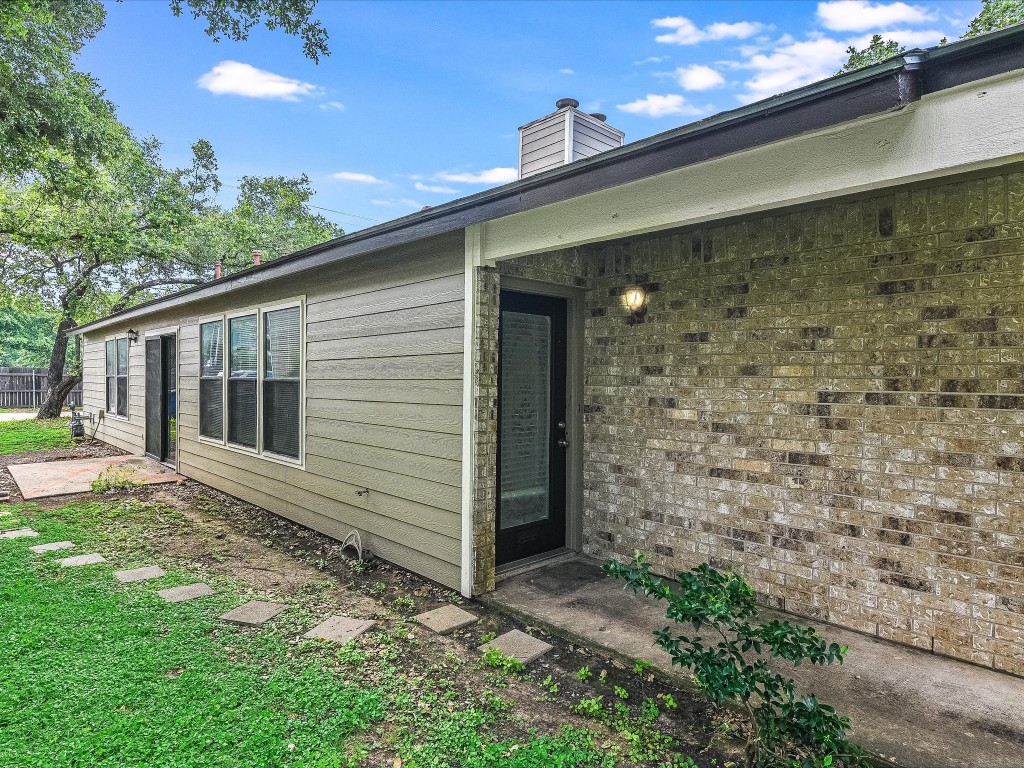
128 377
260 310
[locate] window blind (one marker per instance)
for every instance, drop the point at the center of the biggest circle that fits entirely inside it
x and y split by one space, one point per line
282 345
211 380
242 362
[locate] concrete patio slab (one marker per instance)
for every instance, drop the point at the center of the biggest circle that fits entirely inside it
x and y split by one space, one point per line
18 533
340 629
519 645
187 592
916 709
53 546
139 574
446 619
255 613
56 478
79 560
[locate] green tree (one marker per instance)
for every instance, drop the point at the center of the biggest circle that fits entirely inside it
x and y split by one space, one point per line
878 50
93 239
996 14
26 335
271 215
47 106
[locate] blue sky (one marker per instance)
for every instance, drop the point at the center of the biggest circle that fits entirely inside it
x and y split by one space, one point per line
420 101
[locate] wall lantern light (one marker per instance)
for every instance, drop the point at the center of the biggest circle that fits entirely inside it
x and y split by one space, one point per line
635 297
133 335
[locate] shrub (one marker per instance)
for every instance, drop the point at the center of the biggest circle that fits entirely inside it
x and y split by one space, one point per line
783 731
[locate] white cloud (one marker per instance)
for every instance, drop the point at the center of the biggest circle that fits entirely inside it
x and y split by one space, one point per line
651 60
792 64
437 189
685 32
332 106
567 71
654 105
698 77
246 80
491 176
862 15
359 178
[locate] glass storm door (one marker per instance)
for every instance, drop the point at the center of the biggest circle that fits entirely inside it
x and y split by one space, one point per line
161 398
531 426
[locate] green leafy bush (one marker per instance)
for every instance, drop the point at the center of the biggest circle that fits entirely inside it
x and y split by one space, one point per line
783 731
116 478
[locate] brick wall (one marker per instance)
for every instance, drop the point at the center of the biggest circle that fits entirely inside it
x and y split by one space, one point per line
830 400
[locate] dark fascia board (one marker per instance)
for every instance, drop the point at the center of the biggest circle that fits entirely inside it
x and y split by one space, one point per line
886 86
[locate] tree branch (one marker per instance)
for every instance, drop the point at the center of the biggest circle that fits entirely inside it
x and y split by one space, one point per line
126 297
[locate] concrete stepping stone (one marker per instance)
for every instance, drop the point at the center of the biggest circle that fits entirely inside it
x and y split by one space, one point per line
53 546
187 592
139 574
340 629
445 619
255 613
18 533
519 645
77 560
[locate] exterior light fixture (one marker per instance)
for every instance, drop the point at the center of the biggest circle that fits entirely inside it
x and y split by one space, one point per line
635 297
133 335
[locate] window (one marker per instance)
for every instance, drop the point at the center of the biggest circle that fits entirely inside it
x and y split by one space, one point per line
281 373
117 377
242 361
211 380
250 381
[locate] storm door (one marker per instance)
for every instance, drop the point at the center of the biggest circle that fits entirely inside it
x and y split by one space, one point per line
532 438
161 398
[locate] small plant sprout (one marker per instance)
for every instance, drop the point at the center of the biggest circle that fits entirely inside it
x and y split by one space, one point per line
379 588
404 604
503 662
588 707
486 637
603 677
550 685
640 667
621 692
670 701
584 674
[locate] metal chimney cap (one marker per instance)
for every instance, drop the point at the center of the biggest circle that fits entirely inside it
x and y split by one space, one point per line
563 103
599 116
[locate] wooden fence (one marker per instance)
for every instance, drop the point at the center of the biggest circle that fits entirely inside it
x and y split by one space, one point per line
26 388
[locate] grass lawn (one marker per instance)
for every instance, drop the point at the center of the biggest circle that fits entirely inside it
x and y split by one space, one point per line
95 673
33 435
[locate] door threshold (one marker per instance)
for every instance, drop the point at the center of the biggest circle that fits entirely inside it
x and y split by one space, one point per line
516 567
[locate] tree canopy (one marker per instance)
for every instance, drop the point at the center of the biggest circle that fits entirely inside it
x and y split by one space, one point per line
995 14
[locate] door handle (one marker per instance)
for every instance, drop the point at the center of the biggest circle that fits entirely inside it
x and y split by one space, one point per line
563 443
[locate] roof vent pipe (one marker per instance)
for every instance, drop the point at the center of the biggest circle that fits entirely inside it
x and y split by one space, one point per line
256 257
217 270
564 136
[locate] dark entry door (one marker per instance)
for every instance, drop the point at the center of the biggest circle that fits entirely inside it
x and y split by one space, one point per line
532 440
161 397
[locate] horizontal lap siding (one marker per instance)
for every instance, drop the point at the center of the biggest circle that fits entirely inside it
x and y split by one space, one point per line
383 406
127 434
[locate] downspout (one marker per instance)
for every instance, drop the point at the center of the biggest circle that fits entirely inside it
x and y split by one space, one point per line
909 79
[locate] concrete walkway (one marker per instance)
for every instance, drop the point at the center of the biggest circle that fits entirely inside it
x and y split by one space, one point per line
17 416
915 709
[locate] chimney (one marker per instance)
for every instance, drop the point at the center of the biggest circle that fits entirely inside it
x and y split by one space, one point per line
256 256
564 136
216 270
